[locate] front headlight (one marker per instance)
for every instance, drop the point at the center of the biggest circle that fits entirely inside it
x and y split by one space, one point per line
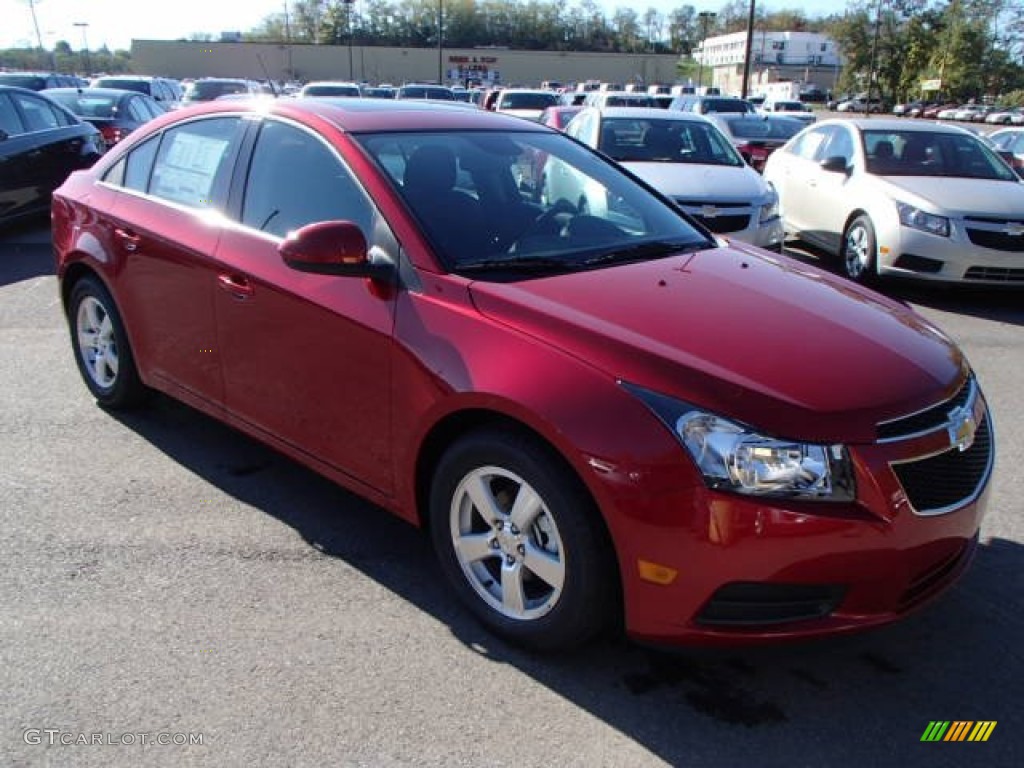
915 218
732 457
770 209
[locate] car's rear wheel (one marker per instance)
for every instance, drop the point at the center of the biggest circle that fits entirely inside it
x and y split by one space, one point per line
519 538
102 351
859 248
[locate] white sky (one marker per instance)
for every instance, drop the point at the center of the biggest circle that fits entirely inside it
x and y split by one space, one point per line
116 22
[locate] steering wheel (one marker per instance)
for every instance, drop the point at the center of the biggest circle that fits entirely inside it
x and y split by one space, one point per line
558 208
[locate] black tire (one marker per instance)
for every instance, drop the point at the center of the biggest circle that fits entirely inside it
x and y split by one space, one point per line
859 251
565 540
101 347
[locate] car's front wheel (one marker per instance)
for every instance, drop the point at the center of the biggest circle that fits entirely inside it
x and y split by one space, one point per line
101 346
520 540
859 248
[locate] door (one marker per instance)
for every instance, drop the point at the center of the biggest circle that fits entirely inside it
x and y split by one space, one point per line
306 358
166 225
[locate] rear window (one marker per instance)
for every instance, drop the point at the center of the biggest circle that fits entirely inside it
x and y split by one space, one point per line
744 128
725 105
87 105
425 92
208 90
526 100
331 90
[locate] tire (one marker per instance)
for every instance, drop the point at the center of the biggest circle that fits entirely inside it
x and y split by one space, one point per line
859 251
539 573
102 351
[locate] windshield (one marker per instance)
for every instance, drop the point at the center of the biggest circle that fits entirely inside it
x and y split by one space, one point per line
725 105
664 140
924 153
790 106
31 82
509 100
208 90
139 86
331 90
507 205
425 92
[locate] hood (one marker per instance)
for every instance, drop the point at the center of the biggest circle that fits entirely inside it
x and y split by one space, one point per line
959 197
769 341
719 183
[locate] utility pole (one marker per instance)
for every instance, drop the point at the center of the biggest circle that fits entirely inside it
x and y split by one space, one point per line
874 58
706 17
440 42
746 56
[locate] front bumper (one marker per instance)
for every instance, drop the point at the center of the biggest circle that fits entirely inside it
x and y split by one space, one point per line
753 570
978 251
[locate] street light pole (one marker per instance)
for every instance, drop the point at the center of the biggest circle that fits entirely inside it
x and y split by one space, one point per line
348 18
705 18
874 58
85 44
440 42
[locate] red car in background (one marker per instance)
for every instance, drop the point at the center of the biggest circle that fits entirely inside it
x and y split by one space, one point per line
596 416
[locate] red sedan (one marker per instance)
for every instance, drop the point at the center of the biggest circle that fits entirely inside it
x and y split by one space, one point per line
597 417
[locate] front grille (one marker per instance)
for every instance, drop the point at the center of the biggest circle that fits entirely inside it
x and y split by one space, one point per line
926 421
935 577
722 225
1002 274
752 604
997 241
950 479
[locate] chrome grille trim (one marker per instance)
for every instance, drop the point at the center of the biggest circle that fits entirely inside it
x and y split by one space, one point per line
968 400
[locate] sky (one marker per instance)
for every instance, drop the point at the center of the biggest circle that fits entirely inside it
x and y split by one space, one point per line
116 22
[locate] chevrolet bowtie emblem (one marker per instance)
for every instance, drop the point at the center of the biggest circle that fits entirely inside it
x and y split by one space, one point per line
1014 229
710 211
961 428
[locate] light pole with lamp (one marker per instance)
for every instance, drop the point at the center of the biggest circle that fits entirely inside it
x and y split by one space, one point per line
348 23
440 42
706 17
85 44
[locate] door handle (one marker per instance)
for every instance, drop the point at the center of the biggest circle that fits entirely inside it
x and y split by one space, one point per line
129 240
237 285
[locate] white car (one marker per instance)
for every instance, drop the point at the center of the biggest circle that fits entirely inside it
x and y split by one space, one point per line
790 108
890 197
1007 116
330 88
525 102
685 157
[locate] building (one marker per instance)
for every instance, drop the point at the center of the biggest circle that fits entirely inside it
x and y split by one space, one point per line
376 64
806 57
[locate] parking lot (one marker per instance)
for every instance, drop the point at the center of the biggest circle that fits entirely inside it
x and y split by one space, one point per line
163 574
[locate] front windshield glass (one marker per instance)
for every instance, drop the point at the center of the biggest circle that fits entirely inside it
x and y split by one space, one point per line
507 204
331 90
526 100
663 140
926 153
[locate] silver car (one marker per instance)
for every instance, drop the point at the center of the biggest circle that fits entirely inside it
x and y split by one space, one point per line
889 197
684 156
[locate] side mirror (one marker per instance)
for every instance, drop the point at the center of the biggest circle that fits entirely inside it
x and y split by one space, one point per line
331 248
834 164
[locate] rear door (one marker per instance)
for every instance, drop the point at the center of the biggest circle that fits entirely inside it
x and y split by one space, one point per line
166 224
306 357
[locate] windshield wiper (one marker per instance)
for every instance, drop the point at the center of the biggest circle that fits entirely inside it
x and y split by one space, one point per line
654 249
518 264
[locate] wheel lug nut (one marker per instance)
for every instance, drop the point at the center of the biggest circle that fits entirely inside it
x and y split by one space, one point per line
499 525
521 549
510 560
513 530
494 543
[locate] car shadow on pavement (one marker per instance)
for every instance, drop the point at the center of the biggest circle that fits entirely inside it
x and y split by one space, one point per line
865 699
1002 304
25 252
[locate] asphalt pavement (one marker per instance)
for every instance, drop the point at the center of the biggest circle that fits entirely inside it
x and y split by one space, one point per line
164 578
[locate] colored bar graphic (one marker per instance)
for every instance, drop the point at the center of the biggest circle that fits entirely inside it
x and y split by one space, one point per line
935 730
958 730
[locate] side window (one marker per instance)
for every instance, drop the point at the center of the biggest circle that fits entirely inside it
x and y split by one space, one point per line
137 111
139 164
294 179
809 145
190 160
840 145
39 115
9 120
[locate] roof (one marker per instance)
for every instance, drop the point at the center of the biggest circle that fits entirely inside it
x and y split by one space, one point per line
892 124
372 115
